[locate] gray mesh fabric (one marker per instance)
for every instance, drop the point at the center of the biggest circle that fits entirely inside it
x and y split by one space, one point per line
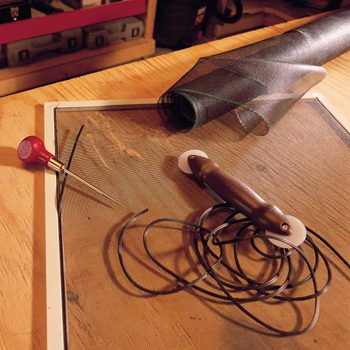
259 83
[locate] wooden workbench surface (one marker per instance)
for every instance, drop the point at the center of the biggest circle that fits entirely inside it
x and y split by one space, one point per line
22 236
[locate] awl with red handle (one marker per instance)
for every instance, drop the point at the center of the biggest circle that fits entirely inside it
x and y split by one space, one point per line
32 150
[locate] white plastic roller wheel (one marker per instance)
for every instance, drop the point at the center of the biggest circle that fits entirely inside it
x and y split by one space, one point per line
183 159
297 237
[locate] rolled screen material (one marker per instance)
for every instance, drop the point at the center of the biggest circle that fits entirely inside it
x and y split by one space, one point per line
259 83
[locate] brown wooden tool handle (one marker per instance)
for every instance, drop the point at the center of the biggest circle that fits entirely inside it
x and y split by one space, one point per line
266 216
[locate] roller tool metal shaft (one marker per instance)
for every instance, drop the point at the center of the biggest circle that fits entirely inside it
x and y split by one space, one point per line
267 216
286 228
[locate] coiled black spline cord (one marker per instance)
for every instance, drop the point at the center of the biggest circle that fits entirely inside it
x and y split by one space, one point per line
245 231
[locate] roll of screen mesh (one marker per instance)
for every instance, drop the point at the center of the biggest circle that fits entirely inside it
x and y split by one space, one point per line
258 83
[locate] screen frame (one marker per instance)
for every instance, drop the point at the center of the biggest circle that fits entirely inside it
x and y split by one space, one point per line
57 332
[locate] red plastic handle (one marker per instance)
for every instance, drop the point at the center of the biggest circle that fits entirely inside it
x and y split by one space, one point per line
32 150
